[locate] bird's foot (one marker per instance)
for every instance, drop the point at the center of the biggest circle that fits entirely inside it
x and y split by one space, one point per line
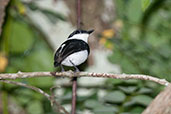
53 73
76 69
62 68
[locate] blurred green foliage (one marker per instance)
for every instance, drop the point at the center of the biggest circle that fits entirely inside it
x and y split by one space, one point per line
142 46
144 43
145 4
27 51
120 97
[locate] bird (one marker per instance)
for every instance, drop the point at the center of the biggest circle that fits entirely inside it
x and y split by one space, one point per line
74 51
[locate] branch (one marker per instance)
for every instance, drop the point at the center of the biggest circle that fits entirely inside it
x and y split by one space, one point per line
49 97
161 104
3 4
71 74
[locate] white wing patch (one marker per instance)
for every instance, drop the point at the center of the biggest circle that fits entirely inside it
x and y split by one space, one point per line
62 46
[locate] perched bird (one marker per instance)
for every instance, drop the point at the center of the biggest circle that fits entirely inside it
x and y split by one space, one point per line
74 51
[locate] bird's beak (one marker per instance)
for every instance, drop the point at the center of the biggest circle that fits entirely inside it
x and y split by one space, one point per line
90 31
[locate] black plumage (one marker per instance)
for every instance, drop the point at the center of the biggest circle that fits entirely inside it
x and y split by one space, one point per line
79 32
69 47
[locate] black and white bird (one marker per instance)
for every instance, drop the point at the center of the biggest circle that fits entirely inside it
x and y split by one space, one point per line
74 51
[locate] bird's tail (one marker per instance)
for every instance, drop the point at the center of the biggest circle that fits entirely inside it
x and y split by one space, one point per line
56 64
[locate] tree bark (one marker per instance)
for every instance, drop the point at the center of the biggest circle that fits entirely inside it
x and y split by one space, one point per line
161 104
3 4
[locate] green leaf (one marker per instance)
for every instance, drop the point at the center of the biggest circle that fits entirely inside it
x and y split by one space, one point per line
137 110
164 50
20 38
115 57
40 59
134 12
129 103
41 82
116 97
129 89
105 110
25 91
151 85
24 95
92 103
23 100
128 67
153 39
142 99
125 113
145 90
68 96
113 82
35 107
145 4
131 81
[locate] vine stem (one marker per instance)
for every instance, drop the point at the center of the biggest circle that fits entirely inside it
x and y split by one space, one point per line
74 80
74 95
60 108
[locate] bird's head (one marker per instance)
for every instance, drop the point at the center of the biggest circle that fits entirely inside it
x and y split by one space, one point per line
80 34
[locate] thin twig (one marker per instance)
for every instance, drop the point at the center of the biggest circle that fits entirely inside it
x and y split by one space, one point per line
74 95
74 80
78 8
49 97
71 74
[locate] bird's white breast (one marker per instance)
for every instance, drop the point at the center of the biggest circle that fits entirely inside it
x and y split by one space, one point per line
76 58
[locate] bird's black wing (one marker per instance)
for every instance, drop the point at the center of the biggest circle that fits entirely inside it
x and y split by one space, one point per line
67 48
